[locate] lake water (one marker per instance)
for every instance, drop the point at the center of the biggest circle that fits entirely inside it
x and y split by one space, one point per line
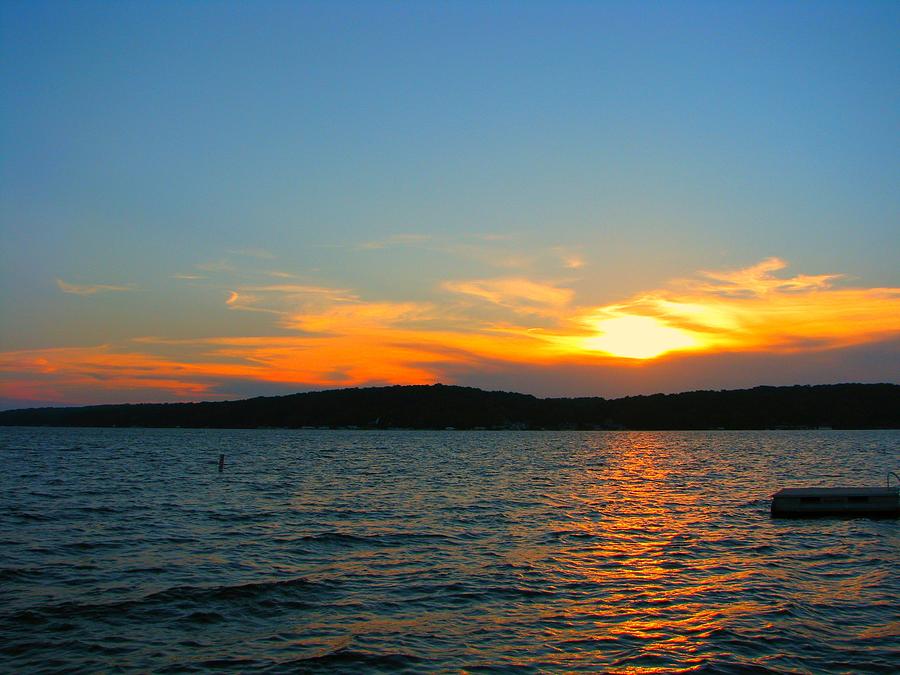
125 549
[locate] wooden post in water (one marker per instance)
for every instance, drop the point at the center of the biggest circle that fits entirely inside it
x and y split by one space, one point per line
221 463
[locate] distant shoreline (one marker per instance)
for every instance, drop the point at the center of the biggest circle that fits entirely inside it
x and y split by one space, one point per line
452 430
444 407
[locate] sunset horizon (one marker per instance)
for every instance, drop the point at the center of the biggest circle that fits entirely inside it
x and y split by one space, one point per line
692 333
382 336
305 197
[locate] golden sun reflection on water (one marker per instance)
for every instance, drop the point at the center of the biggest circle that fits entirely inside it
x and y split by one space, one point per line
631 556
354 551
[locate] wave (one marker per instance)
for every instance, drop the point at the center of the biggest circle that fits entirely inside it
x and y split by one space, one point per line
350 660
338 538
459 560
90 545
183 601
30 516
10 573
385 539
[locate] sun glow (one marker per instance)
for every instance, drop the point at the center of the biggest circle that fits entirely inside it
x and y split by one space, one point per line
638 337
333 337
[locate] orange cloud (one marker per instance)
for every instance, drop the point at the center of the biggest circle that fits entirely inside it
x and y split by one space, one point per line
338 339
361 317
279 298
88 289
519 294
304 289
101 368
569 258
751 309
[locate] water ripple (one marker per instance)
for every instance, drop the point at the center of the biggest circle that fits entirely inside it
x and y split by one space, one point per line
439 551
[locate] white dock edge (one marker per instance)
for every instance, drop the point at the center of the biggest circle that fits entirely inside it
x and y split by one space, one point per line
875 502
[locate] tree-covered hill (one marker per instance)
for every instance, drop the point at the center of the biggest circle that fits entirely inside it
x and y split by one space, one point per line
840 406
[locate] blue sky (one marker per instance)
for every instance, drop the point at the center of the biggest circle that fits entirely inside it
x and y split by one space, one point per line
391 148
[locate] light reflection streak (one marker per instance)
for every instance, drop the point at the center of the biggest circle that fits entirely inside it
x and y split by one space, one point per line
631 552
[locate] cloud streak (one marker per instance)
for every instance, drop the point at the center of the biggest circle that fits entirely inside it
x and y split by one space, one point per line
753 309
334 337
517 293
90 289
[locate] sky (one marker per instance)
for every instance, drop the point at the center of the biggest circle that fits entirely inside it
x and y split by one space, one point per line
215 200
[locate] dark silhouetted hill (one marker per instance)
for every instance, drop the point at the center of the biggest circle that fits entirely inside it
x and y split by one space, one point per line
840 406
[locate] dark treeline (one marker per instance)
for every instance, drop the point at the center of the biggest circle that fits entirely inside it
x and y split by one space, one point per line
840 406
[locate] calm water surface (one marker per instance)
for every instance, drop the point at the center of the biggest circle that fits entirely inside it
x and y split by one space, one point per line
125 549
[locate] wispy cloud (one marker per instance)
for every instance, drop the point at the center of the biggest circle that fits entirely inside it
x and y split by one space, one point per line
494 236
90 289
402 239
304 289
495 253
188 277
758 280
222 265
516 293
570 258
495 250
750 309
248 302
285 299
359 317
335 337
259 253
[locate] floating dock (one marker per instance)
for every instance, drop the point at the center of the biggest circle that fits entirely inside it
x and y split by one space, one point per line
871 502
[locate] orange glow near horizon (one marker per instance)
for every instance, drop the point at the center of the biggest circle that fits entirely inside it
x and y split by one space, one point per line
334 338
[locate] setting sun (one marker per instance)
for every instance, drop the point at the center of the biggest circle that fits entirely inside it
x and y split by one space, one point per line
638 337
